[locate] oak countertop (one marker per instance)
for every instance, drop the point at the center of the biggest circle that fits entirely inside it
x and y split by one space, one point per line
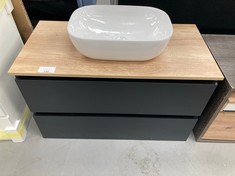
185 58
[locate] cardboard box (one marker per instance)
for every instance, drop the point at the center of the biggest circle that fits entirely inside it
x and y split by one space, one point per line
22 20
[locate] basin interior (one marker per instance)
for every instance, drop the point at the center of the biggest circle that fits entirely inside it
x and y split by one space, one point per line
131 23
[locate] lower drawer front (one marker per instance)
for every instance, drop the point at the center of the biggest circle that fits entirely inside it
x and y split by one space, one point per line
116 96
222 128
114 127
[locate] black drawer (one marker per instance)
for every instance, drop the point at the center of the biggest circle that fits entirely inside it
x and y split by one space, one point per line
115 96
114 126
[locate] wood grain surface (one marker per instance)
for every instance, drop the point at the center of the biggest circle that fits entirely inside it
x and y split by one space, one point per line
22 19
186 57
223 127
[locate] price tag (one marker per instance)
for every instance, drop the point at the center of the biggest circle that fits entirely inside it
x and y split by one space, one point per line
46 69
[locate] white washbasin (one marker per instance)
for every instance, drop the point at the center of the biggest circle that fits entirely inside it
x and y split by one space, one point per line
127 33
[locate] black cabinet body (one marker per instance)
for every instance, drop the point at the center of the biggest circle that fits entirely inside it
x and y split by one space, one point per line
115 108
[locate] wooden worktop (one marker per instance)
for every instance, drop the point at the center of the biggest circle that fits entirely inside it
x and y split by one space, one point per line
185 58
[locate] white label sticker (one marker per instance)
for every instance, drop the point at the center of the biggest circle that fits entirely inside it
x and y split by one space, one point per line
46 69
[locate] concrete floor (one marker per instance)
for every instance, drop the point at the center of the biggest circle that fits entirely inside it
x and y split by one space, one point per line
37 156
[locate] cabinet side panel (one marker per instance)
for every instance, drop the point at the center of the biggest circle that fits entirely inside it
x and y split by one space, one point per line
214 106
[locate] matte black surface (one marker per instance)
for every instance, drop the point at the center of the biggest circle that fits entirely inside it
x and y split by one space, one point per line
115 96
114 127
211 16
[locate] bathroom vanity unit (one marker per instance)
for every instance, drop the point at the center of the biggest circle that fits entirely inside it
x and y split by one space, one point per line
77 97
218 120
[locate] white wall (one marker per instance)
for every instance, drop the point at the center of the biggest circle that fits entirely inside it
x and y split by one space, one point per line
11 101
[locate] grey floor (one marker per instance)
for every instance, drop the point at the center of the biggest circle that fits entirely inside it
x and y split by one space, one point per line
37 156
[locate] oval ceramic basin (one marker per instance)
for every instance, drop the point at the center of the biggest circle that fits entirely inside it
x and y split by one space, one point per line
127 33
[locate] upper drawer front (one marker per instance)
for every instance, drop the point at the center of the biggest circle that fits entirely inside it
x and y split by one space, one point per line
116 96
